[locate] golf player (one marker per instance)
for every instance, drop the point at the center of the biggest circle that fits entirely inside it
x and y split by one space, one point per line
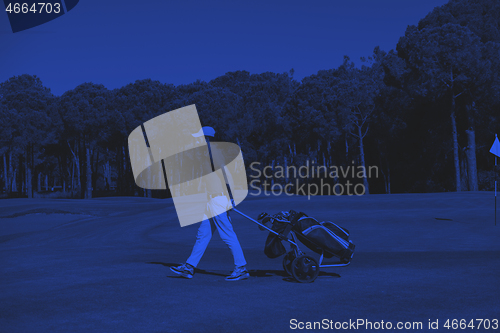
217 206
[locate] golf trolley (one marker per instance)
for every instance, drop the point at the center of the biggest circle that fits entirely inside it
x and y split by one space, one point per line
304 268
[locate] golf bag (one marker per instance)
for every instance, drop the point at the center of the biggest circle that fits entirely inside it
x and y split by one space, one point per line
325 238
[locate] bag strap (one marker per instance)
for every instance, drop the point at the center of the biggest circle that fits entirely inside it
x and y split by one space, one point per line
292 223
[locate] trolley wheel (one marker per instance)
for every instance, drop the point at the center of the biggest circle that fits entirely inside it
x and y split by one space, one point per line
287 262
305 269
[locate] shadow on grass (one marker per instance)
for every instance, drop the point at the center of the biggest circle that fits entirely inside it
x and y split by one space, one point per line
253 273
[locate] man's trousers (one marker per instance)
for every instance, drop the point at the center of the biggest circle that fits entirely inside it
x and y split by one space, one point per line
217 207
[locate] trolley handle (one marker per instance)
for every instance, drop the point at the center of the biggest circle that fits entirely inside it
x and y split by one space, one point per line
281 236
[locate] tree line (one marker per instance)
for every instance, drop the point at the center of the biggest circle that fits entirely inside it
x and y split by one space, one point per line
425 113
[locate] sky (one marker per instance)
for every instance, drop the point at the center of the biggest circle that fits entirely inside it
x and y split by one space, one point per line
116 42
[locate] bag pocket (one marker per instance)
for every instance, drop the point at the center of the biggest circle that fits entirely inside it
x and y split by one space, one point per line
342 232
325 238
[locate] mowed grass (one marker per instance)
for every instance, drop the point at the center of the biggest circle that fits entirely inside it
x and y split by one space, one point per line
103 265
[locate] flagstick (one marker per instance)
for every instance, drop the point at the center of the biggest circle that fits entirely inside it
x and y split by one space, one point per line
495 150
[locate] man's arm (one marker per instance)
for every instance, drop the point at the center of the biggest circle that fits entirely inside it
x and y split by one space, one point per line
219 163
